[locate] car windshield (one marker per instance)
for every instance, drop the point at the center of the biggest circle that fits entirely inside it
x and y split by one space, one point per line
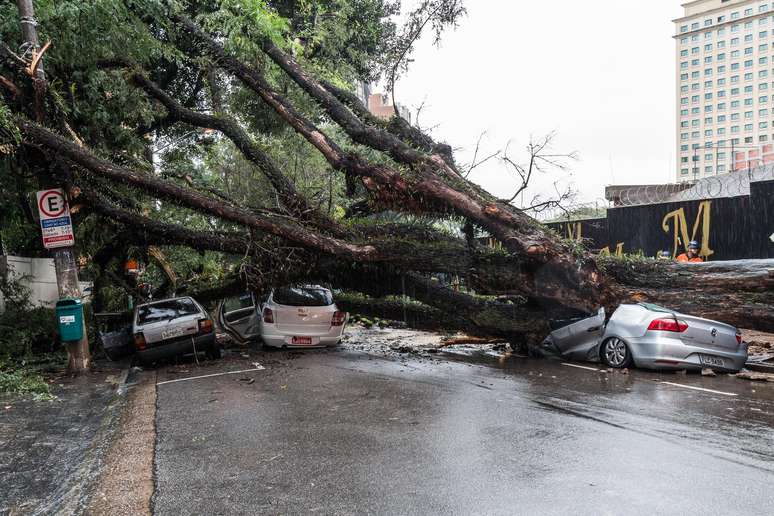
302 296
656 308
166 310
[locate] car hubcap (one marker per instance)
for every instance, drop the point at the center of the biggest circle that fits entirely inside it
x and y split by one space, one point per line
615 352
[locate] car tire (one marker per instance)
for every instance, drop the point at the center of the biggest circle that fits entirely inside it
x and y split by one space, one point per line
615 353
213 352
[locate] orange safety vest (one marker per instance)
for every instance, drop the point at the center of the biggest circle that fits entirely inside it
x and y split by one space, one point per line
684 258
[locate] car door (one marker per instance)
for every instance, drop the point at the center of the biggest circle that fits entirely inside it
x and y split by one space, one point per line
239 317
575 340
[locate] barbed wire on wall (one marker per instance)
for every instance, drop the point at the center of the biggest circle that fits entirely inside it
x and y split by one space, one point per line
733 184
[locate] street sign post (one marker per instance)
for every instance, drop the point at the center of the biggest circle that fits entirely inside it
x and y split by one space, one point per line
55 222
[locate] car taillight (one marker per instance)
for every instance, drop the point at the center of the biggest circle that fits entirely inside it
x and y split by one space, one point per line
139 341
668 325
338 318
268 316
739 337
205 326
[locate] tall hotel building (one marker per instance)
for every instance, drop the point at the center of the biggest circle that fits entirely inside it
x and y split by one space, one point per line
725 86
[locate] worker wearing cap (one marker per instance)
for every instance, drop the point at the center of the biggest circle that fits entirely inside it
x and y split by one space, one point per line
692 256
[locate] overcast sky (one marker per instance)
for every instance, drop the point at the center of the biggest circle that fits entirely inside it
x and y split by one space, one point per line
601 74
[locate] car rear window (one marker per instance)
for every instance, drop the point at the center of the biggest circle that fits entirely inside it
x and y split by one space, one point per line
299 296
166 310
655 308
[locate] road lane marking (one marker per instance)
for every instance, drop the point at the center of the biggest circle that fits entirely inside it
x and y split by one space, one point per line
259 368
700 389
582 367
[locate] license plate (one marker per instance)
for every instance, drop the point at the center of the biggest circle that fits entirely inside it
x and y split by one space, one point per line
302 341
712 361
171 333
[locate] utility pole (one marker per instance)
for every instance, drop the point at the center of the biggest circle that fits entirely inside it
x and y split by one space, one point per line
79 357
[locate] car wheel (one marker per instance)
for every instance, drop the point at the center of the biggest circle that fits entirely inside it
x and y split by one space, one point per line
615 353
213 352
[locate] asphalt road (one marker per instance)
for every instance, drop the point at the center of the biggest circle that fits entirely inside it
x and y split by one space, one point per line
356 432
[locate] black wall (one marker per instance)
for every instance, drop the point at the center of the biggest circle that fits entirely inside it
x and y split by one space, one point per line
728 228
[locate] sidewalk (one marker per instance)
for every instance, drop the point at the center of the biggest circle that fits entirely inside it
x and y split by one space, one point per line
50 450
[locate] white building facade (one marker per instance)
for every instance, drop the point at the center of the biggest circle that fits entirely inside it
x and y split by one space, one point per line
725 87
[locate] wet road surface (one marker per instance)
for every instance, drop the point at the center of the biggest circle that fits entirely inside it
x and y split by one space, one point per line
352 432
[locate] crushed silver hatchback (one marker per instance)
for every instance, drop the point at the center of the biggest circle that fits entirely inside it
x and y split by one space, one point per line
301 317
648 336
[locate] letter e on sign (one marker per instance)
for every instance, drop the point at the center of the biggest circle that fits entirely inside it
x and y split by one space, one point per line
55 223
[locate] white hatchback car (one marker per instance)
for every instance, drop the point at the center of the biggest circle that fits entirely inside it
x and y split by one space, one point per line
301 317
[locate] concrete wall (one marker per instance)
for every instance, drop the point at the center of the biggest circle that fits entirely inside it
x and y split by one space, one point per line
37 273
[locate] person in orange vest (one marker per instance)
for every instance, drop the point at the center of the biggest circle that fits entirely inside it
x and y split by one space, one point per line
692 256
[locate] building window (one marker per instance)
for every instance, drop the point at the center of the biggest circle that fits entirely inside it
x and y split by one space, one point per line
721 94
748 102
734 54
694 62
763 60
722 81
695 122
721 119
695 134
708 48
748 63
734 117
763 125
763 138
734 129
721 169
734 92
748 115
695 111
708 109
694 75
721 131
734 104
734 79
721 156
748 127
694 25
684 171
763 73
721 57
748 76
734 42
734 16
748 51
748 139
748 12
763 113
763 99
684 28
722 69
734 66
763 48
708 60
721 44
763 8
722 106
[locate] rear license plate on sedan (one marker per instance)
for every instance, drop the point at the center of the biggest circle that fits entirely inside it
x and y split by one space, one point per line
171 333
712 361
302 341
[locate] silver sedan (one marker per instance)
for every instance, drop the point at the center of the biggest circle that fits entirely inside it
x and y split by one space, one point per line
649 336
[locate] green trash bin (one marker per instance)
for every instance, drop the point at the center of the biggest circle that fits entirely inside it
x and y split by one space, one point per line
69 317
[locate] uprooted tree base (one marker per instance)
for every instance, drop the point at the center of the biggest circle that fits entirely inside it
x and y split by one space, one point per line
533 276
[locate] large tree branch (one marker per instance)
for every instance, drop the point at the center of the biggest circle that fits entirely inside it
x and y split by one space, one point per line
271 224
